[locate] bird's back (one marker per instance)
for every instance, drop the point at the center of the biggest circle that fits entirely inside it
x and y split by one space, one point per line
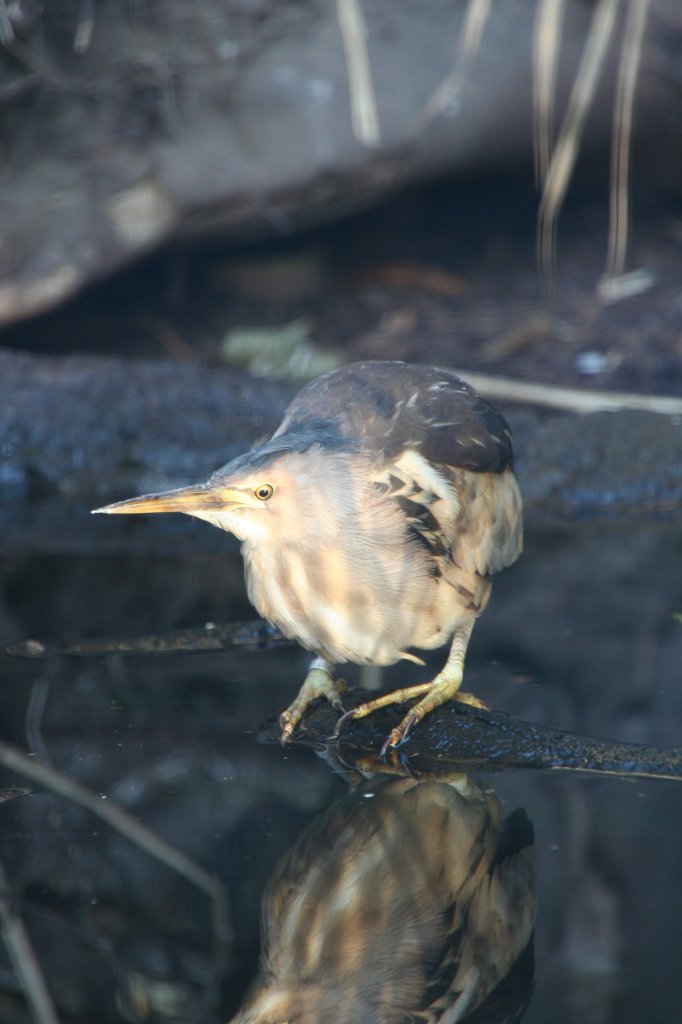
391 406
409 506
438 449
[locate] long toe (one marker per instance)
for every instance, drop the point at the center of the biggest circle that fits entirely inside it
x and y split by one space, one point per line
399 734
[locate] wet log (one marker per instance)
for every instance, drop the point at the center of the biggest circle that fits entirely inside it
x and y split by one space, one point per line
457 738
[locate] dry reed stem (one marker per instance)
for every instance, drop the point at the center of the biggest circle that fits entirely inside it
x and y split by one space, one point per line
630 56
565 153
475 20
363 102
570 399
546 39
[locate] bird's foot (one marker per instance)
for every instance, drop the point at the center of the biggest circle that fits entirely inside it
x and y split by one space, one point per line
433 695
396 697
433 700
318 683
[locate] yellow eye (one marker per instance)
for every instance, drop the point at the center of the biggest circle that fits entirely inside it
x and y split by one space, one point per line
264 491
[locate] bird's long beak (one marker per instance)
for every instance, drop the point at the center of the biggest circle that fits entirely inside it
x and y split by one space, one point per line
191 500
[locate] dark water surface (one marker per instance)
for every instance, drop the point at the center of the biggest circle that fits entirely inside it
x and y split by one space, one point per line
580 636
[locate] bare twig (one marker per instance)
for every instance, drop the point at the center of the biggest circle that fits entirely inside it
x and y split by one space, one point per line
256 635
85 27
568 143
126 825
477 14
630 56
35 711
23 959
177 347
545 64
571 399
6 27
363 102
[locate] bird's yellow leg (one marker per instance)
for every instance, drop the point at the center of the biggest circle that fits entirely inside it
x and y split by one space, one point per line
318 683
445 686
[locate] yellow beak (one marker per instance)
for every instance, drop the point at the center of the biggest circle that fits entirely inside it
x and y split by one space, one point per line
197 498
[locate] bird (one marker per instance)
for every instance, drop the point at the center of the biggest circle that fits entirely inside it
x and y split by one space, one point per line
403 902
371 523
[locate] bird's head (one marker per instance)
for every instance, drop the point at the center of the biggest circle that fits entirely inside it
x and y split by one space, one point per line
259 496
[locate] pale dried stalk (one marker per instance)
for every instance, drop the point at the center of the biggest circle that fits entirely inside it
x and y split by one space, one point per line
568 143
570 399
630 56
363 102
545 67
23 959
475 19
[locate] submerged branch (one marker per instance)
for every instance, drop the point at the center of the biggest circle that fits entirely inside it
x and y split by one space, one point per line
23 959
15 760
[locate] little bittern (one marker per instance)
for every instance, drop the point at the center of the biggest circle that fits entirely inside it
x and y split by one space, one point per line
371 522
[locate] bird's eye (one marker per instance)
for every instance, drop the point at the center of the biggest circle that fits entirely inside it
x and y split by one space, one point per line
263 492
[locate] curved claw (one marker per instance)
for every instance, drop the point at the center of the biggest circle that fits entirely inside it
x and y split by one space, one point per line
399 735
392 743
344 717
288 726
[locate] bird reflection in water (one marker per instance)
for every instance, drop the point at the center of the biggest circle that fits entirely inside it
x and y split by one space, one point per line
404 902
